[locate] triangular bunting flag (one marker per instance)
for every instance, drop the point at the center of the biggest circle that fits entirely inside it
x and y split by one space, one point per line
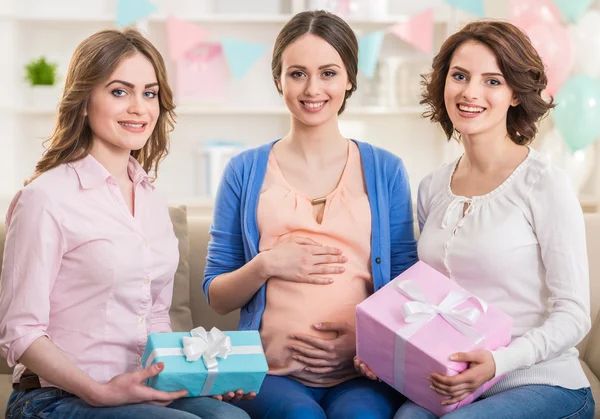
369 46
573 9
241 55
131 11
183 36
474 7
418 31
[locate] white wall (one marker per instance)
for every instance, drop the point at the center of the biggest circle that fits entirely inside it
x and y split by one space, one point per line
24 36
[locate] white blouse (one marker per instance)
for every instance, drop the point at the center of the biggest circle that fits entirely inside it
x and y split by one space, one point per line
521 248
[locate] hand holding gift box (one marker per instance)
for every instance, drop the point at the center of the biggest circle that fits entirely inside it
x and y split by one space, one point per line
407 330
207 363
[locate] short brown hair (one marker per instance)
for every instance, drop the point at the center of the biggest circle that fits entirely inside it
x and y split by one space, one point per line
93 61
520 64
333 29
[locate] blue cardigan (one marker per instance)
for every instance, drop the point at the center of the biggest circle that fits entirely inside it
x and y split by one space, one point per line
234 230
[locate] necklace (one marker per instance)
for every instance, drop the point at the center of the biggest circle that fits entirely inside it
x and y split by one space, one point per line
318 201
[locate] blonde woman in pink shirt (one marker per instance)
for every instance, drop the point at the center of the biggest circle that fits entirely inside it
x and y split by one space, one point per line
90 250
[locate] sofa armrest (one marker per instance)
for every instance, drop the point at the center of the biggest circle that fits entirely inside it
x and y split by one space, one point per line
592 350
590 347
4 368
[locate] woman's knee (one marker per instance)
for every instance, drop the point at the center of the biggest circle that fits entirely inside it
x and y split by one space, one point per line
209 408
297 410
357 410
365 413
226 411
229 412
410 410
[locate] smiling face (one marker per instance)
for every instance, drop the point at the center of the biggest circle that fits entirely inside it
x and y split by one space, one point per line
123 110
313 80
476 94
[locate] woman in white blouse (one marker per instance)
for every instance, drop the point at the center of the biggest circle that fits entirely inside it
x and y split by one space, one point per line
506 225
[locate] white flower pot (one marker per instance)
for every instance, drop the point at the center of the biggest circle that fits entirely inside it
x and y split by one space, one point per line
43 97
211 160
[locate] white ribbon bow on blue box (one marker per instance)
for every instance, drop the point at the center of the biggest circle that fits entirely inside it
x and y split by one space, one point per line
181 353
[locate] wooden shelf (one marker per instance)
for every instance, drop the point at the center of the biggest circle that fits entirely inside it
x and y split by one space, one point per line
204 205
191 110
195 110
362 111
209 18
216 18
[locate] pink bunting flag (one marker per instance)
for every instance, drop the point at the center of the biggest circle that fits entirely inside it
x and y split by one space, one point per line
417 31
183 36
343 8
202 74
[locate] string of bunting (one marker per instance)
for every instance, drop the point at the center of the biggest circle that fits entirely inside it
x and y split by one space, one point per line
188 41
564 32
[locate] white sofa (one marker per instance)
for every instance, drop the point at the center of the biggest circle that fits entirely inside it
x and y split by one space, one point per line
190 308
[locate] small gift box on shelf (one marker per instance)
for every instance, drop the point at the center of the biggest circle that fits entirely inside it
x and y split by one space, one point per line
409 328
201 75
207 363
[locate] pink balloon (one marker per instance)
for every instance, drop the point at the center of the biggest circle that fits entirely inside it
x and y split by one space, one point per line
526 13
553 43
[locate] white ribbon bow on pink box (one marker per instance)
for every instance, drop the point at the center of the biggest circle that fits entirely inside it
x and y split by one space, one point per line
420 311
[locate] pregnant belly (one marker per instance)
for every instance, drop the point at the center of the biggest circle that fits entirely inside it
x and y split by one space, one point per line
294 308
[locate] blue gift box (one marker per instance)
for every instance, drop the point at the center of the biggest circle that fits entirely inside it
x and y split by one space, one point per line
243 369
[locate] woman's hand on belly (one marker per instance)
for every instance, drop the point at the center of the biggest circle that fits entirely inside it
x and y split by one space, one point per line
300 259
326 357
363 369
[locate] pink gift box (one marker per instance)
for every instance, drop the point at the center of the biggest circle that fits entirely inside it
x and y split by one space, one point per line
404 343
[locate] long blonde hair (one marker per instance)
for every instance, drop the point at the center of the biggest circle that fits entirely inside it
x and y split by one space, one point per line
93 61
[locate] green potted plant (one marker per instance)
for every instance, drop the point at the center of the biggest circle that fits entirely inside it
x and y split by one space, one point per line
41 73
41 76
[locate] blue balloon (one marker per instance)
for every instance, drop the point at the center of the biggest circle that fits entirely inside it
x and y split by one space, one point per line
577 112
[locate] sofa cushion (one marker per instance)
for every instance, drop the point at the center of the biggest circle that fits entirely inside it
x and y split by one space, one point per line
4 369
5 390
181 313
2 238
589 347
202 313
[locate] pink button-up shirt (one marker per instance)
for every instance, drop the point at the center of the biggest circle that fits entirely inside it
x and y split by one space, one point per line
80 269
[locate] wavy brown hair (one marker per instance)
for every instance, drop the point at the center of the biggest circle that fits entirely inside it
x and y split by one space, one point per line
520 64
93 61
331 28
